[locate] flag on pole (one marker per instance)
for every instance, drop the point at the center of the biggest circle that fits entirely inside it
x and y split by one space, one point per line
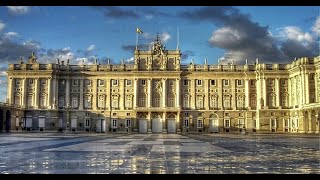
139 31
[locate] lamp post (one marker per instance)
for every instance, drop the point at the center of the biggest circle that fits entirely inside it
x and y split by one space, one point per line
67 108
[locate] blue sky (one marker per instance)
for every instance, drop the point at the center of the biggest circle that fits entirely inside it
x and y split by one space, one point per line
272 34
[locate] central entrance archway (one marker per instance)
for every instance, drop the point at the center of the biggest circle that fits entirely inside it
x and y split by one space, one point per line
214 123
171 124
157 124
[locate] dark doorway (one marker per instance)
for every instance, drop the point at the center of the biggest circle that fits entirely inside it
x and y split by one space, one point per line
1 120
8 122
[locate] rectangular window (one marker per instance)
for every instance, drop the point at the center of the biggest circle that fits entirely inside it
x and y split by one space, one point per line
74 102
101 82
199 82
143 82
42 101
114 82
43 81
114 123
128 103
87 102
186 122
186 114
239 82
30 81
128 123
128 82
156 102
253 82
186 102
199 102
226 82
87 123
29 101
87 82
75 82
227 123
61 102
200 123
171 102
115 103
186 82
143 102
18 82
213 82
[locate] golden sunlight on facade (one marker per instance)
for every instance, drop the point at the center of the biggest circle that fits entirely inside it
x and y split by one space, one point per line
157 94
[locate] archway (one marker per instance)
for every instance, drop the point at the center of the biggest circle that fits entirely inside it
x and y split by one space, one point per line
1 120
214 123
8 122
171 123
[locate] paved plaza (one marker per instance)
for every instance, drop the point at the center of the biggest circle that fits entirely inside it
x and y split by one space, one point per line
53 153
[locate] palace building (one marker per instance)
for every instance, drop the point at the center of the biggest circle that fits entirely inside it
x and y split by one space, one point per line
158 94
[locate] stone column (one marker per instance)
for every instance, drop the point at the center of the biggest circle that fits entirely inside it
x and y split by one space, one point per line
108 91
206 97
258 90
178 92
302 85
264 91
94 94
67 92
316 87
309 123
247 95
149 122
149 92
53 93
10 97
289 92
233 91
122 92
81 95
135 89
36 92
24 92
277 89
178 120
164 93
193 94
307 91
220 94
164 122
49 104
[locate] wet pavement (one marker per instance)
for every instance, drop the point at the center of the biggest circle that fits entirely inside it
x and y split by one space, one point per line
52 153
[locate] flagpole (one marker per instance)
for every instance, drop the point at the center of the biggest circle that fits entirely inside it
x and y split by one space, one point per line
137 40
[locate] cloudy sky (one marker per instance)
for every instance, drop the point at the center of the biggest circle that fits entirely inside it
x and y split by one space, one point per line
272 34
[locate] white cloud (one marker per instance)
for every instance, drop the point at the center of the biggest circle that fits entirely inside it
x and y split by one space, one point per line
2 26
18 10
225 37
165 37
32 44
131 60
10 35
296 34
316 26
91 47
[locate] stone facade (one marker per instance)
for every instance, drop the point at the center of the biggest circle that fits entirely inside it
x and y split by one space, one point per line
158 94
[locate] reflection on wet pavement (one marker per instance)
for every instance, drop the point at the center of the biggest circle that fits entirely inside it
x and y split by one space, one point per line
48 153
